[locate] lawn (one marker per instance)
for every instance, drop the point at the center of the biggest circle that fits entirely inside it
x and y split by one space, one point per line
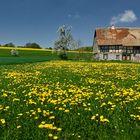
70 100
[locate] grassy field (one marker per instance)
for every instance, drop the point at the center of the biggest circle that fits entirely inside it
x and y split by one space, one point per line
28 55
69 101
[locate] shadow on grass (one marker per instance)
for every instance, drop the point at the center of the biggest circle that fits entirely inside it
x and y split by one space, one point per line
23 60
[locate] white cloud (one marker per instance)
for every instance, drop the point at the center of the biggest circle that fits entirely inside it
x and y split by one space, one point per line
128 16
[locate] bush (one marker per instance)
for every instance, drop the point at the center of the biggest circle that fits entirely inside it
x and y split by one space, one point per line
14 52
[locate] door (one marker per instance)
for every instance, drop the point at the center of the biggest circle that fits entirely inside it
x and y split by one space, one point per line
126 57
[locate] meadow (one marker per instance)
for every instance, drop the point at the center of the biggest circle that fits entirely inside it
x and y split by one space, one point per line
29 55
70 100
26 55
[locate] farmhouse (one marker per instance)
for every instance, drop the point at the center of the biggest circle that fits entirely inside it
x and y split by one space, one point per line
117 43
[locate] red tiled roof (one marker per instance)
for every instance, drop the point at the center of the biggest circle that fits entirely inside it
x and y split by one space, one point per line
118 36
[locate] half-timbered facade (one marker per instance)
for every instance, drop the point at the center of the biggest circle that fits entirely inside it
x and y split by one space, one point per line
117 43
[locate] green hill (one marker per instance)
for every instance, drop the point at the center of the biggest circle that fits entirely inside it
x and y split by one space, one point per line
86 48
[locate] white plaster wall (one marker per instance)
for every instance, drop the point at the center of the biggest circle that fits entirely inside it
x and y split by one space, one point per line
135 58
100 56
111 56
95 46
138 55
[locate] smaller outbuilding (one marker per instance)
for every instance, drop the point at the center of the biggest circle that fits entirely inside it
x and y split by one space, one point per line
117 43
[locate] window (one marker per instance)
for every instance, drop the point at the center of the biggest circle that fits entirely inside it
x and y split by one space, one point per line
136 49
110 48
104 48
117 57
117 48
124 49
120 47
105 56
129 49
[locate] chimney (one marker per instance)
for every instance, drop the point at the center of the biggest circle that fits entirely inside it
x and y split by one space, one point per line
112 27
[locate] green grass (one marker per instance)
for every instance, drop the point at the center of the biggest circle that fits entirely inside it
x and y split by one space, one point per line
37 55
22 60
24 52
25 56
86 100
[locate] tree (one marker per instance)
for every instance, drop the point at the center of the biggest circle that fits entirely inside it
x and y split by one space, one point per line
64 40
32 45
75 46
9 45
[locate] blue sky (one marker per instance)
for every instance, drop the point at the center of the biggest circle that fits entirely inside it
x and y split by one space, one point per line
23 21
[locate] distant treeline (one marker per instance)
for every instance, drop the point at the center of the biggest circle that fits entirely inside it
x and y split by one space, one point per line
37 46
27 45
86 48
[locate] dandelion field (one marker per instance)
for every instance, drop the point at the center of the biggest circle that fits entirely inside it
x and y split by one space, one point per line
69 101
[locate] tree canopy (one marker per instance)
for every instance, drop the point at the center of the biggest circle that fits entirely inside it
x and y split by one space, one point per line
65 38
32 45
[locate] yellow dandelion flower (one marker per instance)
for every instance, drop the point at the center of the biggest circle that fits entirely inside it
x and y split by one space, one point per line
59 129
93 117
4 95
20 114
36 118
55 137
52 117
66 111
50 135
38 110
19 126
2 121
43 122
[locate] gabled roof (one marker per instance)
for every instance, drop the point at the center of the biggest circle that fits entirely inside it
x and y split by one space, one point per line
118 36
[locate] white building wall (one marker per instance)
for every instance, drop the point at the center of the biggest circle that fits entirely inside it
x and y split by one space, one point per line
111 56
135 58
95 46
138 55
114 56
